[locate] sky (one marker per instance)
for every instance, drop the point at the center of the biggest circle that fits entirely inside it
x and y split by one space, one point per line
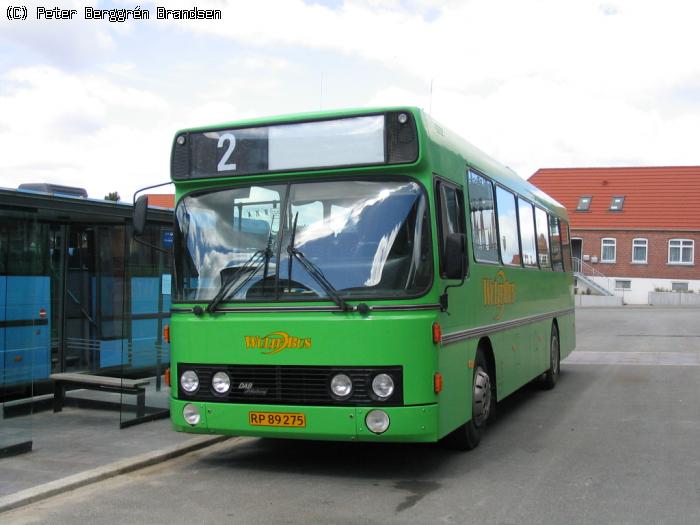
534 83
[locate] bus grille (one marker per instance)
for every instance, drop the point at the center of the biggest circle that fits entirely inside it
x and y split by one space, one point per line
291 385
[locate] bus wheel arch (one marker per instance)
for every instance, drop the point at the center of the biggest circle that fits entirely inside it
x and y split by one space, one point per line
486 349
468 435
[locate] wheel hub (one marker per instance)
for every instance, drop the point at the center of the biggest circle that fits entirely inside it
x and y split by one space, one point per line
481 400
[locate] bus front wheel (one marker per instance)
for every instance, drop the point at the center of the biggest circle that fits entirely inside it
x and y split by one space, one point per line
468 436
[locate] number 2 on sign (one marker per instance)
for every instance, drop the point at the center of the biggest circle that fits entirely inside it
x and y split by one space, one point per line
223 163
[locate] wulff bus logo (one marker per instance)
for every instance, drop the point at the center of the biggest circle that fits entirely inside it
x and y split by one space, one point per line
275 342
498 292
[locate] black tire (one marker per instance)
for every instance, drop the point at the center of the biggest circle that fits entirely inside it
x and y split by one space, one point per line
550 377
468 436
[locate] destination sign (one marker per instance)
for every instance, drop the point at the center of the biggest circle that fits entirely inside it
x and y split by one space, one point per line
350 141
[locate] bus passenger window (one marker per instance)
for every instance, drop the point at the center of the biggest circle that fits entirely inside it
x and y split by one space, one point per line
555 242
483 218
542 238
527 232
508 227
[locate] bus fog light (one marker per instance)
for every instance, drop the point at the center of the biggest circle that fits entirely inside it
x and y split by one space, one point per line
341 385
377 421
191 414
189 381
383 386
221 382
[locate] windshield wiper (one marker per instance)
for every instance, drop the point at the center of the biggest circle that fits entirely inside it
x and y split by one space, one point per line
228 288
313 270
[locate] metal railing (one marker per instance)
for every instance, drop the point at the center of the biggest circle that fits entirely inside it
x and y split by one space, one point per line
586 270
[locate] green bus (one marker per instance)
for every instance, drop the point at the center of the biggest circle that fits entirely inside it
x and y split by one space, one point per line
359 275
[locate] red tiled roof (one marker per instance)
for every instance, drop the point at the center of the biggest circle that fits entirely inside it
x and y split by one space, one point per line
161 200
658 198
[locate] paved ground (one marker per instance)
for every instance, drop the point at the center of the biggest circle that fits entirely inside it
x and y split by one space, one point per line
613 443
79 439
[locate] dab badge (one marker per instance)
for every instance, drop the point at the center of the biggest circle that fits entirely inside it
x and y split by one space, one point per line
498 292
275 342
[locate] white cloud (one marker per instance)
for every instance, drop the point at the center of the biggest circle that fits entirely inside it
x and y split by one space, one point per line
80 130
533 82
537 82
65 43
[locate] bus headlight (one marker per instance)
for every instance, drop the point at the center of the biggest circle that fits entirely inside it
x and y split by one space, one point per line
221 382
383 386
377 421
189 381
191 414
341 386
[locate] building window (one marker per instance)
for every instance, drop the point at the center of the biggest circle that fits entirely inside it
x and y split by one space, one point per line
617 203
680 251
679 287
639 250
623 285
607 251
584 204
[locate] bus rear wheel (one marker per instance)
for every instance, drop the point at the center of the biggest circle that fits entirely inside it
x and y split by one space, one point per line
468 436
549 378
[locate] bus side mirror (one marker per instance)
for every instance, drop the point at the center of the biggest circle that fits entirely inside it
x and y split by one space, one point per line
455 267
139 216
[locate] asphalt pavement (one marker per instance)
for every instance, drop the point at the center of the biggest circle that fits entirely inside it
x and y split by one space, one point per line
617 441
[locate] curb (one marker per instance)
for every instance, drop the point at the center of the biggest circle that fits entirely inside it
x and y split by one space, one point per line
59 486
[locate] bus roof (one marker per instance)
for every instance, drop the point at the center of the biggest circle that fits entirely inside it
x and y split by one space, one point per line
487 165
429 130
298 117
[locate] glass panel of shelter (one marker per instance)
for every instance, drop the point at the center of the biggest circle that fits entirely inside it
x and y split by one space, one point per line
65 302
80 326
145 354
24 329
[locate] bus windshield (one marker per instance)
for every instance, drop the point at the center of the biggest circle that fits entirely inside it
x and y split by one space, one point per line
277 242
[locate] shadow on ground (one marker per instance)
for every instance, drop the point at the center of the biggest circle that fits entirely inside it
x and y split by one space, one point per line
413 463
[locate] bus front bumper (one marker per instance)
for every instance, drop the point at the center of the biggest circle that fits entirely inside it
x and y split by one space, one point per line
407 424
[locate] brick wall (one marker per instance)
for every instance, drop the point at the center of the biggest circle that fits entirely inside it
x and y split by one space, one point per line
657 253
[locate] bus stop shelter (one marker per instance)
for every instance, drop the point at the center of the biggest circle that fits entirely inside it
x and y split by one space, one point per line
79 296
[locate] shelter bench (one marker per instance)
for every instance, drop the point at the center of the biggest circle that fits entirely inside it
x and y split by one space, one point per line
70 381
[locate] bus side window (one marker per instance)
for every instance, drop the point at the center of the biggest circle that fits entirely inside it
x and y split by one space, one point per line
482 211
565 245
508 227
555 244
542 238
450 213
526 220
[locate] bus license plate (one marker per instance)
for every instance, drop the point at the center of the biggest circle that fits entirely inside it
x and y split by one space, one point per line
276 419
